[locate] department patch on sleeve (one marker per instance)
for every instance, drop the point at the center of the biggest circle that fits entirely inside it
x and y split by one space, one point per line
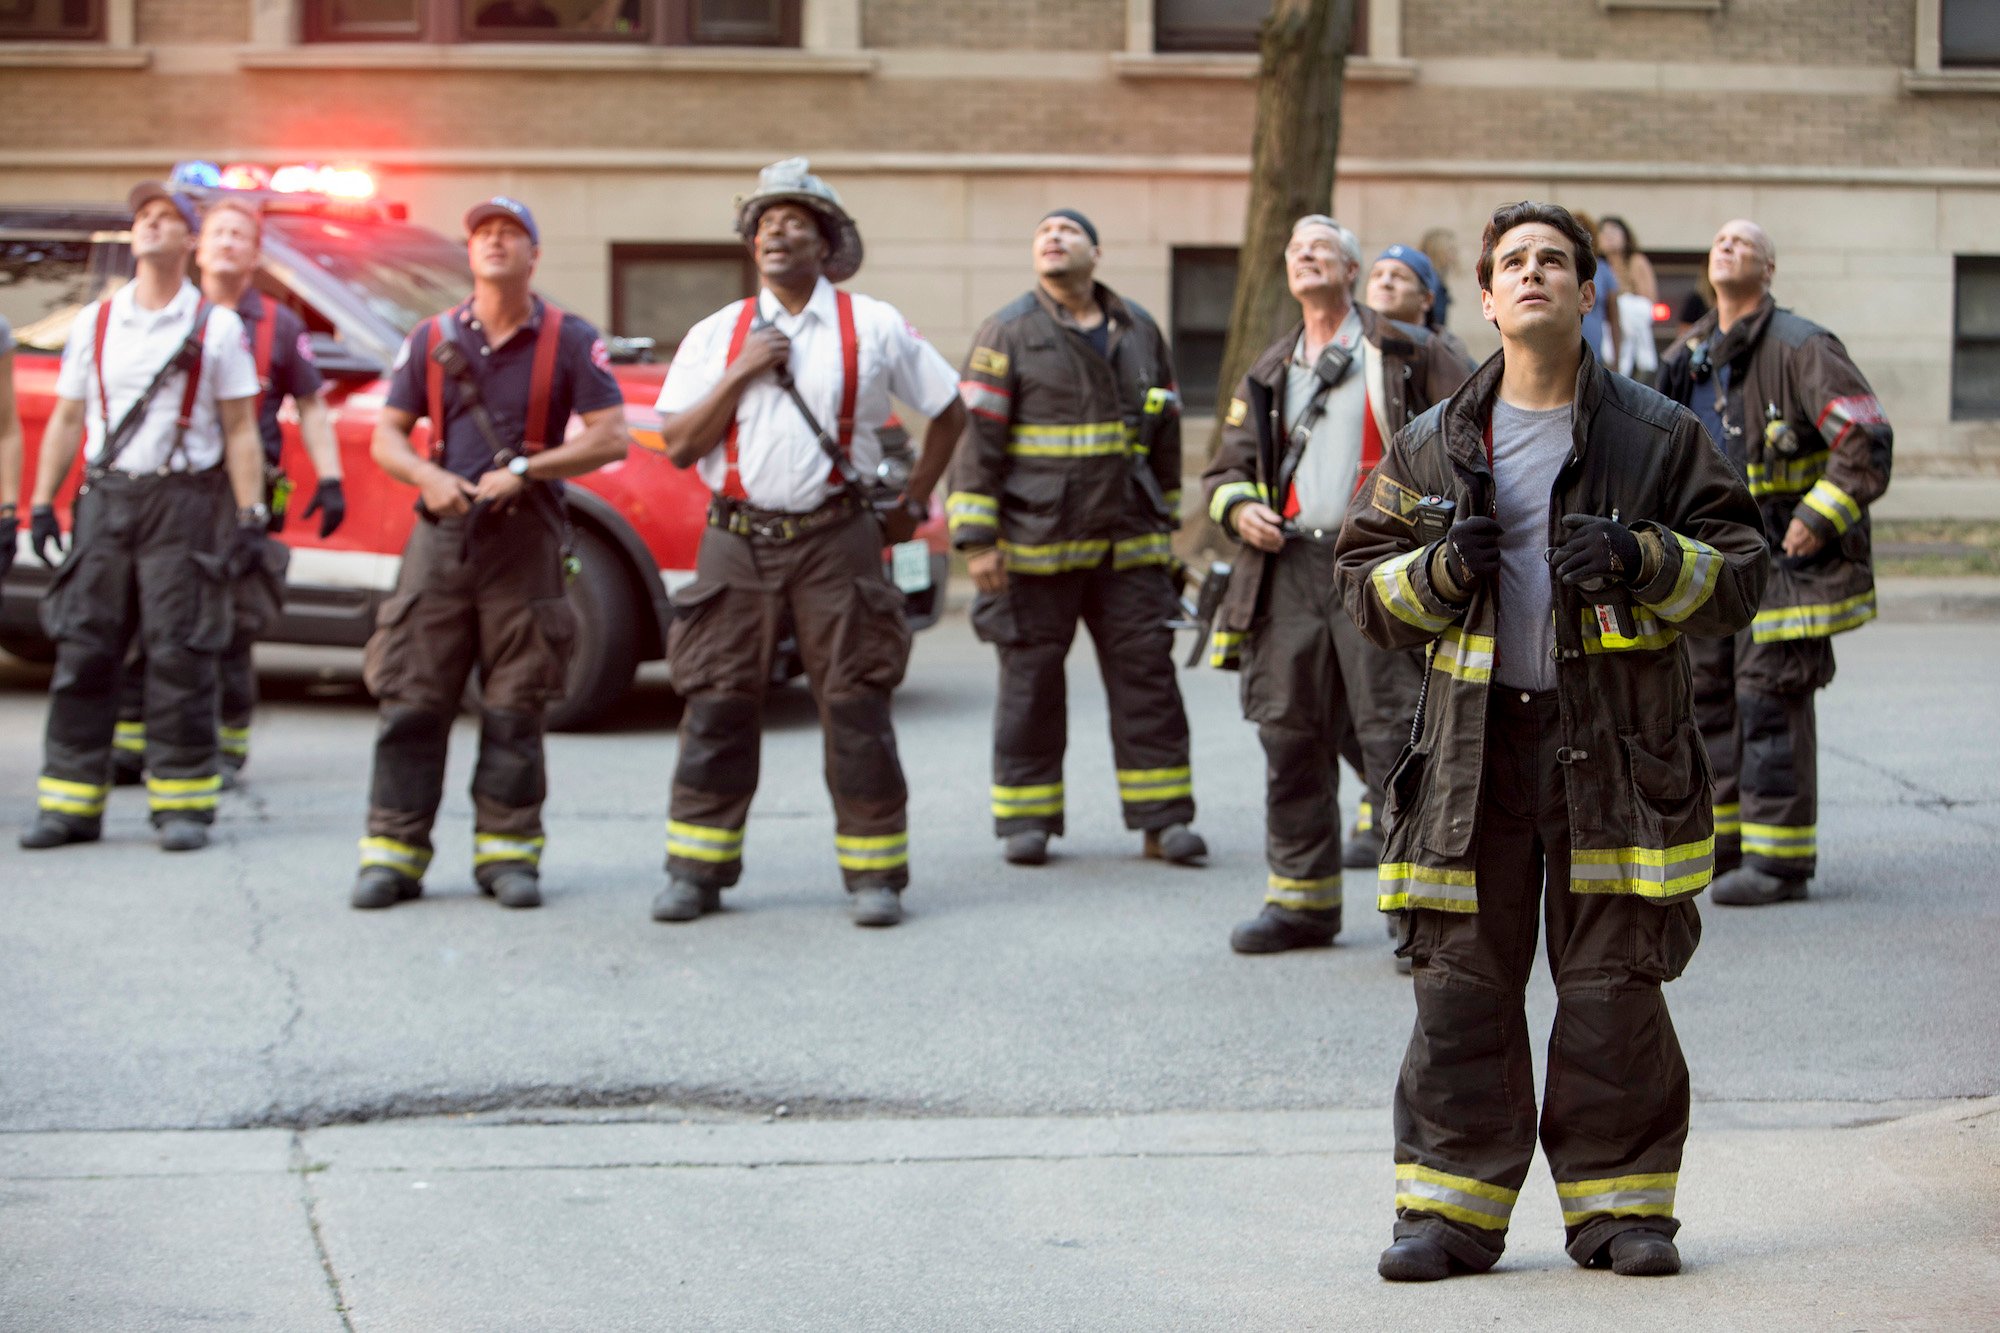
1397 501
1239 411
305 348
986 361
600 355
403 353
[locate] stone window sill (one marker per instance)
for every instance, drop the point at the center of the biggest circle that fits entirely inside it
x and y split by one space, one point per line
530 56
1684 6
1231 65
71 55
1951 81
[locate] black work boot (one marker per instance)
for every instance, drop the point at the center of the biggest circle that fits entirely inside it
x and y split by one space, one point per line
1030 848
684 900
513 886
1747 886
1176 843
877 906
1362 850
378 887
1414 1259
1276 929
182 835
50 829
1642 1253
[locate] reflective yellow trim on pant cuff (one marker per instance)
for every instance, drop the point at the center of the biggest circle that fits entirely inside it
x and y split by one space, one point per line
886 851
700 842
1038 800
1303 895
1618 1196
489 849
1781 840
1461 1198
398 856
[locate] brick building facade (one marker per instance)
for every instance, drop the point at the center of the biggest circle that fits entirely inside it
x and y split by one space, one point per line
1864 134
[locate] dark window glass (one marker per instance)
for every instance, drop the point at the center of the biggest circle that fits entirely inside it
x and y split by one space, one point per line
364 20
1204 287
554 20
1229 25
664 22
50 20
1969 32
662 291
44 282
1975 353
741 22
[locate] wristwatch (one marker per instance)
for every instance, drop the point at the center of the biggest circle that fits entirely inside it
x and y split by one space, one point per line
518 465
257 515
917 508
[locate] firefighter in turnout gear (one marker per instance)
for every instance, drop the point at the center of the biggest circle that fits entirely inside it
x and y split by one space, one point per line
158 384
1783 400
779 401
1304 431
1556 771
227 255
1064 494
482 581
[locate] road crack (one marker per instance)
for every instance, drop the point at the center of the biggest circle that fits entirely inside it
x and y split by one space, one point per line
305 1169
260 920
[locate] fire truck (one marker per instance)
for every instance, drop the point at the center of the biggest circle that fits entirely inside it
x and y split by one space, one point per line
361 276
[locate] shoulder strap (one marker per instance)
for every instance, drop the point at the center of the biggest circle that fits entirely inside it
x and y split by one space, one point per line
97 362
850 369
433 330
541 382
198 342
267 330
732 482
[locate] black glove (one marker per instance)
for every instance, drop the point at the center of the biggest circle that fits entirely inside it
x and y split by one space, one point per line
246 549
330 503
8 527
1472 546
44 532
1595 551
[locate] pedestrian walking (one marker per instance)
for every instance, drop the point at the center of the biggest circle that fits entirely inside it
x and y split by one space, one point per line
778 401
158 386
228 254
1065 493
1798 420
482 582
1638 292
1306 427
1554 771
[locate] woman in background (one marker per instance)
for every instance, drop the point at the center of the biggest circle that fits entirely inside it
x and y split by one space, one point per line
1638 290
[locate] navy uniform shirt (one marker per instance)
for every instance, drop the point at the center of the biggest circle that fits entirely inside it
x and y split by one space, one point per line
291 371
583 383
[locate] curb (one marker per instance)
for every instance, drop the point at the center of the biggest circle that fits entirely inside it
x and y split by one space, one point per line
1917 600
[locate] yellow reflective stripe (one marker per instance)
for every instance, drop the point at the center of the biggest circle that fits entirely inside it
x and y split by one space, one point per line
129 737
1393 588
488 848
1781 839
1701 566
1174 501
1364 817
1305 895
1420 1189
234 740
985 398
1833 504
1786 476
1405 884
1137 785
1230 494
1728 819
184 793
1464 656
1055 557
699 842
1044 799
1225 646
1618 1196
1089 439
64 787
63 797
872 851
1155 548
969 508
1650 872
1813 622
412 861
1651 634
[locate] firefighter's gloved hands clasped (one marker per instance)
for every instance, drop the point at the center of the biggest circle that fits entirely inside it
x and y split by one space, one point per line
330 503
1472 550
1595 551
246 547
44 532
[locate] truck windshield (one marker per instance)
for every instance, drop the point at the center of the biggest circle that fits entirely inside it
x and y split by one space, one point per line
403 274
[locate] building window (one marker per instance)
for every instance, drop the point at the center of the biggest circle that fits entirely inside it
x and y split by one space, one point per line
51 20
1968 34
1229 25
1975 349
662 291
1204 288
642 22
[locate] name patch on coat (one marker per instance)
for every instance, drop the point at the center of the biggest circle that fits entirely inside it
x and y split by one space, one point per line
1397 501
1238 411
986 361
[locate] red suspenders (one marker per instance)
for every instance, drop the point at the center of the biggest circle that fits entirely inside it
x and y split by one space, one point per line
188 390
850 387
267 329
541 381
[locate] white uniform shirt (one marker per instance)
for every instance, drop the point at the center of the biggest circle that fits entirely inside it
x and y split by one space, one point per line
1328 470
781 464
136 344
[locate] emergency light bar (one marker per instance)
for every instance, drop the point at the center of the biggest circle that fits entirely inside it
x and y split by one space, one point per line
334 182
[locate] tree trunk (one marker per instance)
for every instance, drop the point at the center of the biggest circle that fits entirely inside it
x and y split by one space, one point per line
1302 68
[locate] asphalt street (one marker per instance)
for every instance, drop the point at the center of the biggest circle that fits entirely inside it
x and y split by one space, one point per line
1053 1098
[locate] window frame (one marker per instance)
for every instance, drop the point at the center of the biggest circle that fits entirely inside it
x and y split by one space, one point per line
653 252
1989 268
98 30
667 23
1198 46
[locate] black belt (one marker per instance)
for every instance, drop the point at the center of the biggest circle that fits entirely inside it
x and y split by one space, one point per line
777 525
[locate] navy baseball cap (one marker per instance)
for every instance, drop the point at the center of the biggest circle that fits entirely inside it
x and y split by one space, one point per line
145 192
500 206
1416 261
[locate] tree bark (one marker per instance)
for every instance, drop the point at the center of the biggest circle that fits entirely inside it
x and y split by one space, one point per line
1301 70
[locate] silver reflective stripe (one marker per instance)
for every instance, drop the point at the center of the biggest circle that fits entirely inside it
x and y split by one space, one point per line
1395 591
1701 565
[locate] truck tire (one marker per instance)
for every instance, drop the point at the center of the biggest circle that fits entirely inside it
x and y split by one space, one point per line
606 655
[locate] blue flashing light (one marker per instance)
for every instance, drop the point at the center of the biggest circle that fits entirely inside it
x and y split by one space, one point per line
200 175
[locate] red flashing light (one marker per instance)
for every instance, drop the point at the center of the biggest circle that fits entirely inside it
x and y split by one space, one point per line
333 182
1662 312
245 176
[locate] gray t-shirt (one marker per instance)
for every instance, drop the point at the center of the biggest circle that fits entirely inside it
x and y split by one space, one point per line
1529 449
1325 480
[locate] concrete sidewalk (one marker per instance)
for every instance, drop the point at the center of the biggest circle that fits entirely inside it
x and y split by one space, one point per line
1798 1215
